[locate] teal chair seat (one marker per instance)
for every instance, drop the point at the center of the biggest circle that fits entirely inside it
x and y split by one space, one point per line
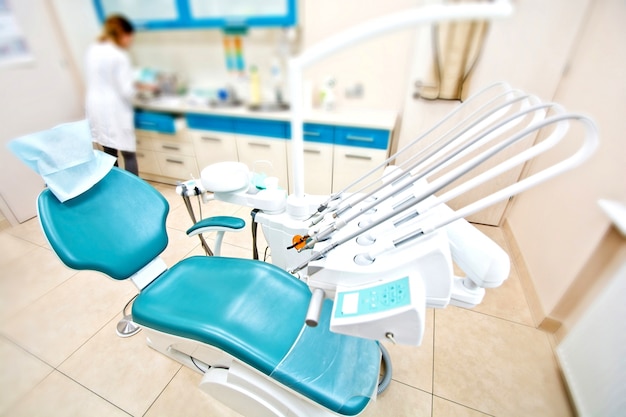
255 312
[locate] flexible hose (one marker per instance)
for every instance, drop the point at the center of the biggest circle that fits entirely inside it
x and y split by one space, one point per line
386 379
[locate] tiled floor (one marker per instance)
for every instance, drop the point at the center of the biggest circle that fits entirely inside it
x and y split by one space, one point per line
60 355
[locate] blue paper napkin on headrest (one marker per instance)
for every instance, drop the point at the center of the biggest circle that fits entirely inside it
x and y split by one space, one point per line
64 157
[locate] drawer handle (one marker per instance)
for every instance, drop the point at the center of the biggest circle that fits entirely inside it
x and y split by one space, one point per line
352 156
360 138
209 138
259 145
307 133
140 155
171 147
174 161
314 151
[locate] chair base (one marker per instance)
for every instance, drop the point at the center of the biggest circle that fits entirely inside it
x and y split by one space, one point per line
234 384
126 327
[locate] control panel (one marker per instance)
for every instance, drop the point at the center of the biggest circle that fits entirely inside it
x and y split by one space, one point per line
382 297
389 309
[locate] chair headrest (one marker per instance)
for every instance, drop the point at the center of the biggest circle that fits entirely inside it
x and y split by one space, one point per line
64 157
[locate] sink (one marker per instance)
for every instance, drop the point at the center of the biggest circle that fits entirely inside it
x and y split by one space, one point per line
172 101
269 107
225 104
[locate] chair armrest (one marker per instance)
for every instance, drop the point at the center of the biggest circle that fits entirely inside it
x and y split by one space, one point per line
217 224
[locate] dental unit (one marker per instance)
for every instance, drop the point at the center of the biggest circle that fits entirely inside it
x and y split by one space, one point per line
302 335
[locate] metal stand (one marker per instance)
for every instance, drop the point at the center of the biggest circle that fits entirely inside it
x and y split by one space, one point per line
126 327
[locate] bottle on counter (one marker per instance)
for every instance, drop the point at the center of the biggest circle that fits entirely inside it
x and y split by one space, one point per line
255 87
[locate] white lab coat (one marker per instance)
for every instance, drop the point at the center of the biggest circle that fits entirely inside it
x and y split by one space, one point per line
109 109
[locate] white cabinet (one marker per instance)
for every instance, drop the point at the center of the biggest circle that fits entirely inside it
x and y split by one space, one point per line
164 150
334 155
146 158
264 155
212 147
318 168
176 157
167 155
350 163
258 143
357 151
318 159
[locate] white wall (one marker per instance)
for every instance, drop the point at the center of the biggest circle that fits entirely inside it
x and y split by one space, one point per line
558 225
35 96
380 65
529 50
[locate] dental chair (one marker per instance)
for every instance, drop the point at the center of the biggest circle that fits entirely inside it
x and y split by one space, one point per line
239 322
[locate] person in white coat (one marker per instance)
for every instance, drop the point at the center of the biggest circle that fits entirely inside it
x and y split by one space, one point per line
110 91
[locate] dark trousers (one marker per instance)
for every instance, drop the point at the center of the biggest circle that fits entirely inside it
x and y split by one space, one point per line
130 159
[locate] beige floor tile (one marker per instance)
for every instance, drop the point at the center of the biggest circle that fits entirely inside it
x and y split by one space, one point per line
31 231
21 372
12 247
178 247
124 371
507 301
413 365
183 397
179 219
399 400
210 208
27 277
445 408
496 366
59 322
59 396
236 251
169 192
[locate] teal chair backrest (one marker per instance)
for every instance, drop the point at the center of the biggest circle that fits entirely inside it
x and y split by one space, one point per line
116 227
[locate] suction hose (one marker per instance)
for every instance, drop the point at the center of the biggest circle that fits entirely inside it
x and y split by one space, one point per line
386 379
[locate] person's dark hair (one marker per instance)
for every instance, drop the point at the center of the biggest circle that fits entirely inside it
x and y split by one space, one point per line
114 27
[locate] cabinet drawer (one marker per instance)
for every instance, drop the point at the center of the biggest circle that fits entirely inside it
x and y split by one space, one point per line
318 168
318 133
147 162
181 167
144 139
253 151
158 122
212 147
351 163
257 127
208 122
173 146
363 138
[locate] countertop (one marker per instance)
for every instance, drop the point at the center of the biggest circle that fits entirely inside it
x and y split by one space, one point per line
366 118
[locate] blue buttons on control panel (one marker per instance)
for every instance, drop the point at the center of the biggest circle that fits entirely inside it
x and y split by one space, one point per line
374 299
